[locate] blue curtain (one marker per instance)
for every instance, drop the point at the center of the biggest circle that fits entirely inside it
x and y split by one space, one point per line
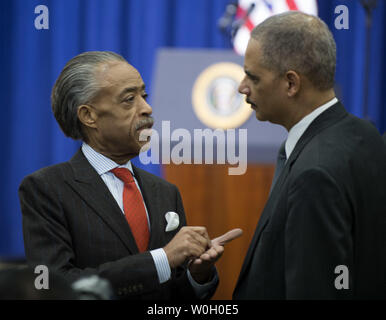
32 59
351 58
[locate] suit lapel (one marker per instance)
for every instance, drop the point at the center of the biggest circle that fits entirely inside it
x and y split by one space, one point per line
89 185
328 118
150 191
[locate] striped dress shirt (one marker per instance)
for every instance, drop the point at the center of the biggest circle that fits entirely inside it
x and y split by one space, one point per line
103 166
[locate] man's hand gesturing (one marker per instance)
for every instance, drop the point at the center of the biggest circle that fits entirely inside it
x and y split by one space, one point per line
189 243
201 267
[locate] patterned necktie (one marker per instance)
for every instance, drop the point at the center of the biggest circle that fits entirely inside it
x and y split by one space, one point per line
280 162
134 208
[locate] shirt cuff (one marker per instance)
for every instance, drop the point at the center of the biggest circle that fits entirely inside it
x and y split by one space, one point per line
201 290
161 264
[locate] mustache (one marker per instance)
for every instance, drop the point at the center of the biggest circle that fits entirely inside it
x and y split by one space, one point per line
250 102
147 122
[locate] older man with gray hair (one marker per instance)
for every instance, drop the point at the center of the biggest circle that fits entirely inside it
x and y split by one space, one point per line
322 232
98 213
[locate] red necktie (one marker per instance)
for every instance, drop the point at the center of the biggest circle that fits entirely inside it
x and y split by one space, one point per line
134 208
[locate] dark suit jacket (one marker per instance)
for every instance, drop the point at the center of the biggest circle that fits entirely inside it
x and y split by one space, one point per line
72 224
328 208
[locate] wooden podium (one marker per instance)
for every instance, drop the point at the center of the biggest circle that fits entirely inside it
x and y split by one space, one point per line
221 202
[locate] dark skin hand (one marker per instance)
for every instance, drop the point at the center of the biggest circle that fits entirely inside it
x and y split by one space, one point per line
201 267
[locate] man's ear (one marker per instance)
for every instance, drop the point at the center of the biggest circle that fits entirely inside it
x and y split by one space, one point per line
293 83
87 116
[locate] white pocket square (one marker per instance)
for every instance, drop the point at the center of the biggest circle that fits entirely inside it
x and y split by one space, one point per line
173 221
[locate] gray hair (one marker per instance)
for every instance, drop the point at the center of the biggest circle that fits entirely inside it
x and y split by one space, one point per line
77 85
300 42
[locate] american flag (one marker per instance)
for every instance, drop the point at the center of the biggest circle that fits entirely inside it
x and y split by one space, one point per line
259 10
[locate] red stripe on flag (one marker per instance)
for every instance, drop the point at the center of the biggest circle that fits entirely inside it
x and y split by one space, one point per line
240 12
249 24
292 5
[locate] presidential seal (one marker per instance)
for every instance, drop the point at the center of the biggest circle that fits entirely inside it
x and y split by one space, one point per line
215 98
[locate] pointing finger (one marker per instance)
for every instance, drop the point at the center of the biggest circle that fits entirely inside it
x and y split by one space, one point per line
227 237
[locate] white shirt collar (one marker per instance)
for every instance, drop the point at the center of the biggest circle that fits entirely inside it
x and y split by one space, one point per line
298 129
101 163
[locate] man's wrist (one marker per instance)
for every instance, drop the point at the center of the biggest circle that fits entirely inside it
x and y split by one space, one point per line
203 290
161 263
203 276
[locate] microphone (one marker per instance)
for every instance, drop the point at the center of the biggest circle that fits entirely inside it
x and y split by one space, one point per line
226 20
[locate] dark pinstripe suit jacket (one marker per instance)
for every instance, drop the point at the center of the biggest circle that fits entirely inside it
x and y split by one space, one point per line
72 224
